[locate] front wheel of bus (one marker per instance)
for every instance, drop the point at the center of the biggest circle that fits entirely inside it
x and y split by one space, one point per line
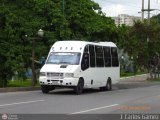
79 88
47 88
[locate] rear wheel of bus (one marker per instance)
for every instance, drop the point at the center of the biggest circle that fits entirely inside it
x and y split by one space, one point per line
108 86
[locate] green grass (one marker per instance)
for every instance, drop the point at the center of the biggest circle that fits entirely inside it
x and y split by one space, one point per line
156 80
20 83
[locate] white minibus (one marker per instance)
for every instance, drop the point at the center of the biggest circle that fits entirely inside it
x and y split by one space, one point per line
80 65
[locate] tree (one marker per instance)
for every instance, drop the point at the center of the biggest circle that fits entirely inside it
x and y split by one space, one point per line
143 42
26 18
82 19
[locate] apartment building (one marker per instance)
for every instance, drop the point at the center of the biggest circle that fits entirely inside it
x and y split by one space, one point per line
125 19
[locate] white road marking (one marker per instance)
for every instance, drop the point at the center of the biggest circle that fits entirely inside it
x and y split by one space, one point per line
94 109
20 103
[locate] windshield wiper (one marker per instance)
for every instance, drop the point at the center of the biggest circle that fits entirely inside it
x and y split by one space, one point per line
65 63
52 63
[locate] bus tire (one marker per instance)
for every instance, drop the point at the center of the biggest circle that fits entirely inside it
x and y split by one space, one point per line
79 88
109 85
45 88
102 88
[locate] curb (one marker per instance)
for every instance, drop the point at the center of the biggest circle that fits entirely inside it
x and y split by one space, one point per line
17 89
131 79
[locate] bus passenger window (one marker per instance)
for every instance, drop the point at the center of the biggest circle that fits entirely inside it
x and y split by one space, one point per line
86 49
115 61
99 56
85 61
92 55
107 56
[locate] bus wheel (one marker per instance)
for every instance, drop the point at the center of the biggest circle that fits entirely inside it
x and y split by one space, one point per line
109 85
45 88
79 88
102 88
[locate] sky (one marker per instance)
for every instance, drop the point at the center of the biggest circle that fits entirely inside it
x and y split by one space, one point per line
130 7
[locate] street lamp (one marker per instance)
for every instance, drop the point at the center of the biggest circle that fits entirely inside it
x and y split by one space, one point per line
63 7
122 63
40 34
134 63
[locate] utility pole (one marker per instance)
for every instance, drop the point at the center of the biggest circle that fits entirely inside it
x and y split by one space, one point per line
34 81
148 39
142 10
63 16
149 9
63 8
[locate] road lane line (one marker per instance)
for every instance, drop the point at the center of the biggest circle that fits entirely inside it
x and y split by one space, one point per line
94 109
21 103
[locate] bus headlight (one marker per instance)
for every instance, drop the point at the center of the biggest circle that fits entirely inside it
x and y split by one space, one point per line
69 75
42 74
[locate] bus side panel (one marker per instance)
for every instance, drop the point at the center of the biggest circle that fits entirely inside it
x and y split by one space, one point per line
97 77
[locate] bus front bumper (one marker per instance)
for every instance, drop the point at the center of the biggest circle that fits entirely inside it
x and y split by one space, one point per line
59 82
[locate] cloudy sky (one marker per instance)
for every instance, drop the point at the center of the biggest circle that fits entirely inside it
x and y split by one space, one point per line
131 7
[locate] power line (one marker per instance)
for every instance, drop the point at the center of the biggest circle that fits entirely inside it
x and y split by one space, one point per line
127 4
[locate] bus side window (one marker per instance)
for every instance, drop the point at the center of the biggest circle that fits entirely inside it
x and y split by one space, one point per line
86 49
85 61
107 56
115 61
99 56
92 55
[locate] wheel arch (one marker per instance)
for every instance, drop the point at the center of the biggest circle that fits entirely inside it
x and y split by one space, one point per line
81 78
109 80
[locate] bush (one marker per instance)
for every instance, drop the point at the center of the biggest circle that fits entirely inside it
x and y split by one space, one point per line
3 83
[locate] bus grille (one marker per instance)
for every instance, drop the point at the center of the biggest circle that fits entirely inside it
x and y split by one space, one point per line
55 75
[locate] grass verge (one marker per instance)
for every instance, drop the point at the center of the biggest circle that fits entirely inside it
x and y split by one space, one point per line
20 83
127 74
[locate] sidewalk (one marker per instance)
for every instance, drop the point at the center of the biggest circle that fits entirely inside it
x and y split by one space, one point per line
15 89
136 78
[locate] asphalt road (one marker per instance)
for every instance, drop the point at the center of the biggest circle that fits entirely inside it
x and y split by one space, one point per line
132 98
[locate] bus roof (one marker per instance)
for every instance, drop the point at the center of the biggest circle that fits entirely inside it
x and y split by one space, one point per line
77 46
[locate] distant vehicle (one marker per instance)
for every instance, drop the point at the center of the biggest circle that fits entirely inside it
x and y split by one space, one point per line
80 65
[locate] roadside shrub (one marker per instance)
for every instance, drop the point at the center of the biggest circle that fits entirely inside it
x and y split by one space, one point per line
3 83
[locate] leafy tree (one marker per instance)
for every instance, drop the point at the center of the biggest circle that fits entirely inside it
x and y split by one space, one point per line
143 42
82 19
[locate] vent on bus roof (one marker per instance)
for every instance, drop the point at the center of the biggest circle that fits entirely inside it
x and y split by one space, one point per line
63 66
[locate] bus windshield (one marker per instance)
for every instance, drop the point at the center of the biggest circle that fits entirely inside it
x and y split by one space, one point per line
64 58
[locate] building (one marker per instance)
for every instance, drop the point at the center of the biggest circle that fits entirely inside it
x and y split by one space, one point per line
125 19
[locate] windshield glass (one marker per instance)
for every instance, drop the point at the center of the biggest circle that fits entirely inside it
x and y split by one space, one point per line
63 58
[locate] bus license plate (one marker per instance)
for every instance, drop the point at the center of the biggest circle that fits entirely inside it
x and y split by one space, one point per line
55 82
